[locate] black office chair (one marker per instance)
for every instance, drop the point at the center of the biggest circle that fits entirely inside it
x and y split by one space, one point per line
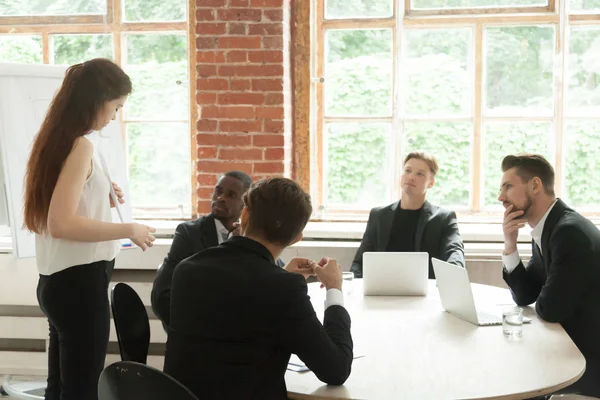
127 380
165 327
131 322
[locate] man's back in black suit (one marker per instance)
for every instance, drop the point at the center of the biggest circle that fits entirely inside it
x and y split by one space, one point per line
236 317
192 237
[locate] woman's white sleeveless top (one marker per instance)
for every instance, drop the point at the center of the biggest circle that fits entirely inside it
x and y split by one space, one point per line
54 255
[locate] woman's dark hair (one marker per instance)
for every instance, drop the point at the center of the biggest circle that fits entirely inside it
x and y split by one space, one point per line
72 114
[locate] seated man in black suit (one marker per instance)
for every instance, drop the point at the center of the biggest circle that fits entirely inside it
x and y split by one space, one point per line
236 317
563 275
413 224
194 236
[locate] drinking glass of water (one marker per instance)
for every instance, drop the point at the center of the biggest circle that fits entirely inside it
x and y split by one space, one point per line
512 321
347 282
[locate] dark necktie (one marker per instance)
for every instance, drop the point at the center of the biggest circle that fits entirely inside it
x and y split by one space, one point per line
539 251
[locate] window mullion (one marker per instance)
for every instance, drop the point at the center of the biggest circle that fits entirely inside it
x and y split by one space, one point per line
477 144
562 43
46 47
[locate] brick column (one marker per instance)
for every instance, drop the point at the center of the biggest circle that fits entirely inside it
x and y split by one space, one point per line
240 90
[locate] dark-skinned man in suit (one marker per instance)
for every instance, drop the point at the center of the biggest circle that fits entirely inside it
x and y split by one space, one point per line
236 317
205 232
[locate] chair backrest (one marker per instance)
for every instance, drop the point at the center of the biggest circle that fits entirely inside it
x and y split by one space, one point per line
158 271
131 322
126 380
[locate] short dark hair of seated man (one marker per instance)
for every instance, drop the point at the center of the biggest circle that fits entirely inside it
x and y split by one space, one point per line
563 275
236 317
194 236
412 224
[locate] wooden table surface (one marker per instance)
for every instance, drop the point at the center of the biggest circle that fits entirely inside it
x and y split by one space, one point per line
415 350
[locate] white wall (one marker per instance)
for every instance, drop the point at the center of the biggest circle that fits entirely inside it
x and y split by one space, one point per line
18 277
18 282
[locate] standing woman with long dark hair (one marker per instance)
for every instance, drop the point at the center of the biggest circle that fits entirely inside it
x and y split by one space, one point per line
67 205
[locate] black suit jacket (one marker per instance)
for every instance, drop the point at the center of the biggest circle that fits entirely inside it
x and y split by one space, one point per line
236 318
564 282
190 238
437 234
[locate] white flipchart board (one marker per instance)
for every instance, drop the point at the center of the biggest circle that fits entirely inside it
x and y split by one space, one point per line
25 95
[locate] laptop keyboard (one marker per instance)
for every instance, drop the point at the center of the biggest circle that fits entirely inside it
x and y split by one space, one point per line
485 318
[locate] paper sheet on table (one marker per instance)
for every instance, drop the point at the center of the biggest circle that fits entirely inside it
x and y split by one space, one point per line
297 365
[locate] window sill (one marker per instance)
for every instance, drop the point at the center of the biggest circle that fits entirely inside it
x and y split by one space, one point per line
470 232
481 239
5 244
318 230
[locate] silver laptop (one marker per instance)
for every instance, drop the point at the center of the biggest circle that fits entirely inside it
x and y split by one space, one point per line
395 274
457 297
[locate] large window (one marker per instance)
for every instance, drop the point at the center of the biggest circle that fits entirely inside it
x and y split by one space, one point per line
149 39
467 80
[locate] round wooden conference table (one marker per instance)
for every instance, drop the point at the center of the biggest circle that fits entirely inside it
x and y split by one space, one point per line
413 349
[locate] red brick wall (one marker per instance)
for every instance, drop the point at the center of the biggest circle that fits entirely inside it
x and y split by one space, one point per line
240 90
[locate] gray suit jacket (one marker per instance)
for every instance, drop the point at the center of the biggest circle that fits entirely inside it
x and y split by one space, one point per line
437 234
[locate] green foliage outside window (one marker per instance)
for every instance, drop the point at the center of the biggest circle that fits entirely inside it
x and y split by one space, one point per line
159 167
355 175
582 175
436 79
26 49
73 49
51 7
437 68
358 8
476 3
154 10
501 139
584 5
452 149
158 153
